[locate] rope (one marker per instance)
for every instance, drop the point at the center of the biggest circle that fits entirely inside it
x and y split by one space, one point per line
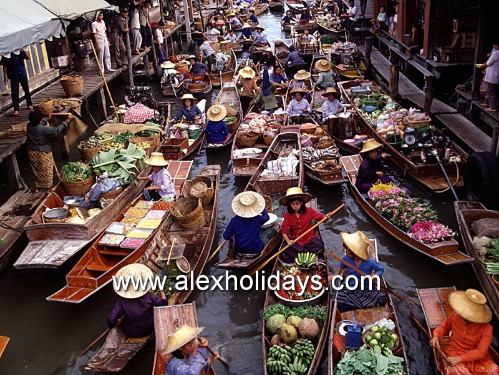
90 113
454 184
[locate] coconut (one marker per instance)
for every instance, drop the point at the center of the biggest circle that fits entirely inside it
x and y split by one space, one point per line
274 322
309 329
294 321
287 333
275 340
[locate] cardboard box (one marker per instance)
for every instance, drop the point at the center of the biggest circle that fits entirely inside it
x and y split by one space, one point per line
60 61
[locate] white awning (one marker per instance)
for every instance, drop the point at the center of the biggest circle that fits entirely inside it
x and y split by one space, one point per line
70 10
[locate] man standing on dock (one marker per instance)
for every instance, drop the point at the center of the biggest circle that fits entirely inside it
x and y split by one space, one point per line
492 78
102 43
14 69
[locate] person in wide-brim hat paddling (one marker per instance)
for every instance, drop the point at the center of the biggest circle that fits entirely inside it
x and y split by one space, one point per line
331 105
298 218
188 353
260 36
370 170
162 187
189 111
247 80
135 304
356 247
216 129
472 334
246 227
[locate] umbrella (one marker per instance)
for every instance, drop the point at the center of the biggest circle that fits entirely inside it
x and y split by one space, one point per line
266 81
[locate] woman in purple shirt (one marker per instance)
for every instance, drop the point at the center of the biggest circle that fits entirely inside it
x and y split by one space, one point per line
162 187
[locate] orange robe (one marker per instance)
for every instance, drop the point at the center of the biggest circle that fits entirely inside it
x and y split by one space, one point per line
470 342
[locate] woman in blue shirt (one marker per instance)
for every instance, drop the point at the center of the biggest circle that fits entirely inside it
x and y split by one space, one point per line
216 129
190 111
246 32
356 247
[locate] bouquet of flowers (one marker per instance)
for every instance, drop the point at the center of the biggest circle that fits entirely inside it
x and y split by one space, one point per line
428 232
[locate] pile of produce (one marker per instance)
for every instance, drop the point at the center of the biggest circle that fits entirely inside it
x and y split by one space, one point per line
122 137
318 313
291 361
96 140
151 132
143 145
330 22
367 361
113 145
259 124
488 249
298 294
75 172
382 337
305 259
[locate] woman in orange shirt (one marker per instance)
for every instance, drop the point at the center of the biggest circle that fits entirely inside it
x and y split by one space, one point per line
471 337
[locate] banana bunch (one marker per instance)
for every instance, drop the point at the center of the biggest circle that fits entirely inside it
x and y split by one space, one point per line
296 368
305 259
304 350
279 359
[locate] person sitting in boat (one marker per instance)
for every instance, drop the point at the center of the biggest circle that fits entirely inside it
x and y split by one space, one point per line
297 220
294 58
246 226
267 59
298 108
305 17
246 33
370 171
188 354
136 305
332 105
189 110
218 24
266 99
162 187
356 247
472 334
253 18
198 69
247 81
207 52
326 75
307 38
278 77
212 33
288 19
299 82
231 37
216 129
234 22
260 37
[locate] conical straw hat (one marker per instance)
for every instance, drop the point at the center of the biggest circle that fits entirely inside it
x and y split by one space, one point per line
471 305
369 145
330 90
157 160
295 192
248 204
216 112
357 242
132 271
187 96
302 74
247 72
181 337
323 65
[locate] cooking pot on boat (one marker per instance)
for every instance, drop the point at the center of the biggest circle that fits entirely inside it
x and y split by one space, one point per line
178 266
55 214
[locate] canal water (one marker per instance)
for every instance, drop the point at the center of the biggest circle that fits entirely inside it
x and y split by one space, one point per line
46 337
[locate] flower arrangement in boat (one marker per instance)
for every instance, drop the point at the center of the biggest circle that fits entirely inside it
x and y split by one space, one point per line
292 280
428 232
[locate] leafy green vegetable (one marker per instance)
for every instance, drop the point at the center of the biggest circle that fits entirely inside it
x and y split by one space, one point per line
329 39
370 362
278 308
122 137
75 172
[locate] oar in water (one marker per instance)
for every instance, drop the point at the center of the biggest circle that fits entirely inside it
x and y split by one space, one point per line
219 359
217 250
328 216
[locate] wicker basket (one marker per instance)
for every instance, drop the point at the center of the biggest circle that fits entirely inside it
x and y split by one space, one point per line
308 128
154 140
72 85
46 108
268 140
111 194
188 213
88 153
418 124
324 144
232 125
231 112
268 203
80 188
246 139
200 187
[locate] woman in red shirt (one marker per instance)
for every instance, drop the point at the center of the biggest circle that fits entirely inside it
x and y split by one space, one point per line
297 220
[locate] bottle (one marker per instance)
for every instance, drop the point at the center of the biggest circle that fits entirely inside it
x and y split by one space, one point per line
423 156
447 153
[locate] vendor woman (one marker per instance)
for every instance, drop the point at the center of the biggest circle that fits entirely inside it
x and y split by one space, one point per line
162 187
216 129
370 170
297 220
189 110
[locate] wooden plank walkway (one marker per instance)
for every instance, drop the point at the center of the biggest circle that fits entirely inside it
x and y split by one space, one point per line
468 132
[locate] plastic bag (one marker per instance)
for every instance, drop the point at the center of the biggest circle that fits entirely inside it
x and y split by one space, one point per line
104 185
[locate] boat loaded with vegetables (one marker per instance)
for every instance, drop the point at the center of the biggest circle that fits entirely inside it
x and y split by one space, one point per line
347 60
414 144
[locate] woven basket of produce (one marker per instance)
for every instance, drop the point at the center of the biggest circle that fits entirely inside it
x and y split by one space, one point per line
231 112
200 187
267 139
231 124
79 188
112 194
46 108
155 140
268 203
72 85
314 138
246 139
308 128
324 143
88 153
188 212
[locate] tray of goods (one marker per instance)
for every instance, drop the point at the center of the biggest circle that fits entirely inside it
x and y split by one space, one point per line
130 220
132 243
144 204
136 212
160 205
111 239
119 228
139 233
155 214
149 223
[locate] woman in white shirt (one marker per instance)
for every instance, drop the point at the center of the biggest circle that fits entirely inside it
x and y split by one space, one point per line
212 33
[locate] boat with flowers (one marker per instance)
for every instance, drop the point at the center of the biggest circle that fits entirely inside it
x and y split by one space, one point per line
401 215
476 222
415 146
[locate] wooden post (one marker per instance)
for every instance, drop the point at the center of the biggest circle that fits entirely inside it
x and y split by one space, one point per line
479 55
187 21
493 145
13 170
146 66
428 94
129 56
427 36
394 81
369 48
101 102
162 18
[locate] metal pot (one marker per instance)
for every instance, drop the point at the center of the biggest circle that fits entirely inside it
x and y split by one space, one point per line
60 213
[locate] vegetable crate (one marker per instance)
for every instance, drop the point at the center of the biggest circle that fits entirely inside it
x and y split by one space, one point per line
173 146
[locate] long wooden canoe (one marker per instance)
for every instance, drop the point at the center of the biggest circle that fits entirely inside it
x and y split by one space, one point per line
203 87
276 5
467 213
311 25
229 96
294 6
436 309
225 75
445 252
351 71
368 316
281 51
100 263
325 170
166 320
273 187
428 174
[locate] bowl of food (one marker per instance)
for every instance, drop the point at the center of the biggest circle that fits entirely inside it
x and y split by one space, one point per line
269 223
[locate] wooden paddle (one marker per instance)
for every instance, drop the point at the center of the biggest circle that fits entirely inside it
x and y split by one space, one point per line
217 250
171 250
219 358
328 216
4 340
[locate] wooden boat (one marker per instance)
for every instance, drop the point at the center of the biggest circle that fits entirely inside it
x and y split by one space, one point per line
354 71
298 28
273 187
445 252
295 6
276 5
100 263
306 48
281 51
171 83
309 87
261 8
229 96
436 309
225 75
322 22
203 87
178 148
314 73
326 170
166 320
427 173
467 213
368 316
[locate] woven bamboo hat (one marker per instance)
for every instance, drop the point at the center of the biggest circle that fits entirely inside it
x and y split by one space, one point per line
295 192
247 72
248 204
187 96
298 89
181 337
302 74
246 25
369 145
259 27
156 160
133 271
323 65
216 112
471 305
168 65
357 242
183 63
330 90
